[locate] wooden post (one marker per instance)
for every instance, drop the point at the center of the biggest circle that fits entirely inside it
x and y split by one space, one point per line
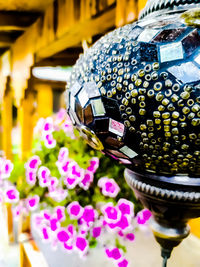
7 121
195 227
44 99
9 220
26 121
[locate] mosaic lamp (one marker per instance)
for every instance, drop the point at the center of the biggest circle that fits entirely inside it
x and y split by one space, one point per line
135 95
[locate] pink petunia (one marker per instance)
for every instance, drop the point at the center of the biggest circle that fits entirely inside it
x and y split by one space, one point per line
75 210
143 216
49 141
63 154
89 215
87 180
114 253
109 187
94 164
126 207
63 166
30 177
130 236
11 195
6 168
54 224
33 163
52 184
81 244
62 235
48 125
111 214
32 202
44 176
61 115
96 232
123 263
60 213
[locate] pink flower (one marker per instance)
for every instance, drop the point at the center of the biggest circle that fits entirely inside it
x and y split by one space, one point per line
123 263
143 216
6 168
33 163
114 253
126 207
31 177
63 166
62 235
45 233
94 164
63 154
46 215
60 213
32 202
53 184
96 232
49 141
81 244
87 180
74 175
54 224
48 125
75 210
130 236
12 195
61 115
111 214
109 187
89 215
44 176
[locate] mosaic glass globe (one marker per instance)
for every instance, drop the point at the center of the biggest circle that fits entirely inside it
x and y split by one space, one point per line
135 95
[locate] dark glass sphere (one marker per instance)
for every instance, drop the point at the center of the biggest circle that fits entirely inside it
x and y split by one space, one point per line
135 94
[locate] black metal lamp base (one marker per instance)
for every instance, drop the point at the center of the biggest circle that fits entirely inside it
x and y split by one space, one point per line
172 201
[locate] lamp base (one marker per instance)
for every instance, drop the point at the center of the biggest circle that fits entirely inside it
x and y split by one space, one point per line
172 201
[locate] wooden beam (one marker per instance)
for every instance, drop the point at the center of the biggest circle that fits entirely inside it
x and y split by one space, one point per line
80 31
16 20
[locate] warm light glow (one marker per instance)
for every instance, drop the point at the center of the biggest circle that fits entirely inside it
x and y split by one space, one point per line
52 73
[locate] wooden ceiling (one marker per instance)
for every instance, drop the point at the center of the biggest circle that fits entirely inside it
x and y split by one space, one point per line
16 17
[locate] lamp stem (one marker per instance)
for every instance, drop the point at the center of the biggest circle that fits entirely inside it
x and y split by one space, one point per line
165 253
165 262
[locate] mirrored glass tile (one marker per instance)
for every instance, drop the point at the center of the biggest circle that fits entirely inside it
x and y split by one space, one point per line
91 89
116 127
172 51
186 72
75 88
133 34
79 112
111 107
125 161
88 117
117 153
72 102
101 125
197 59
83 97
191 42
148 52
147 35
145 22
97 107
74 117
128 152
168 35
67 97
113 142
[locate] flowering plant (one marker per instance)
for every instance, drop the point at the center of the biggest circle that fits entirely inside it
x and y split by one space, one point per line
76 193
